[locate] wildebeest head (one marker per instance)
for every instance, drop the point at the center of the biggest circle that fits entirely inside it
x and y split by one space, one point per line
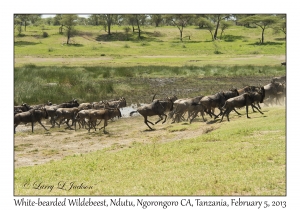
262 90
157 106
45 113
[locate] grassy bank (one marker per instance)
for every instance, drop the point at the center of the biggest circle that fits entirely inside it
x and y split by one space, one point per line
241 157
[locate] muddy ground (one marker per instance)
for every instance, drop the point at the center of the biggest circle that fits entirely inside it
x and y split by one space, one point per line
45 146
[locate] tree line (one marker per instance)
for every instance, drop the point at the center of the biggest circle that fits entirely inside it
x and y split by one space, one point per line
216 24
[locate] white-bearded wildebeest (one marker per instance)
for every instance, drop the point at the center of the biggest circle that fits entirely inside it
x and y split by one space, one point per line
167 103
82 117
31 116
23 108
246 99
102 114
281 79
52 110
181 106
252 89
155 108
217 101
66 114
273 92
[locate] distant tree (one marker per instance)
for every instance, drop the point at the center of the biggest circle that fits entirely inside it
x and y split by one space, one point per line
239 17
207 24
26 19
107 20
156 19
82 21
94 20
262 21
216 20
281 24
18 24
135 20
180 21
68 22
223 26
48 21
57 22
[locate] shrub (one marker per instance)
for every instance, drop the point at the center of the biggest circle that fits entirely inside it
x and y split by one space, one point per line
157 34
45 34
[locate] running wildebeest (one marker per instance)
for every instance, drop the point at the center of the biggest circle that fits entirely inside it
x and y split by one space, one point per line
31 116
155 108
246 99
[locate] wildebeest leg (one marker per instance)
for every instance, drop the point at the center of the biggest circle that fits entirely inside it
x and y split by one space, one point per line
227 114
236 111
41 125
193 117
68 124
91 124
221 113
32 126
253 106
105 124
247 111
160 119
146 122
209 113
258 106
165 118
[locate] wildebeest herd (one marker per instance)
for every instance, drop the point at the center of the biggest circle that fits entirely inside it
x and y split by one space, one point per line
90 115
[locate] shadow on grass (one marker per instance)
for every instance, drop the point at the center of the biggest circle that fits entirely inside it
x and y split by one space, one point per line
24 43
74 45
212 121
280 39
232 38
266 43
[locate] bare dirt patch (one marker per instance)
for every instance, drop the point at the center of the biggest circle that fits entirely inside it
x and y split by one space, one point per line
44 146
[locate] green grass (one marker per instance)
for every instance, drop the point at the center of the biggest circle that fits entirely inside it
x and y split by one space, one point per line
241 157
166 49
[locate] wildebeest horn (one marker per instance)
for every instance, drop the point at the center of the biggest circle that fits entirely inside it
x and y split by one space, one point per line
154 96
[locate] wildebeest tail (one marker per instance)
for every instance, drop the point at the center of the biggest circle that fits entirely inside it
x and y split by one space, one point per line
130 114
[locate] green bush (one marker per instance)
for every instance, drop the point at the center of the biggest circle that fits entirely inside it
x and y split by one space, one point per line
45 34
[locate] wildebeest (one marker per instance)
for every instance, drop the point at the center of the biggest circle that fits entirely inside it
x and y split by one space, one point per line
167 103
246 99
281 79
66 114
23 108
85 106
52 110
82 116
194 109
120 103
251 89
155 108
181 106
102 114
217 101
31 116
273 92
